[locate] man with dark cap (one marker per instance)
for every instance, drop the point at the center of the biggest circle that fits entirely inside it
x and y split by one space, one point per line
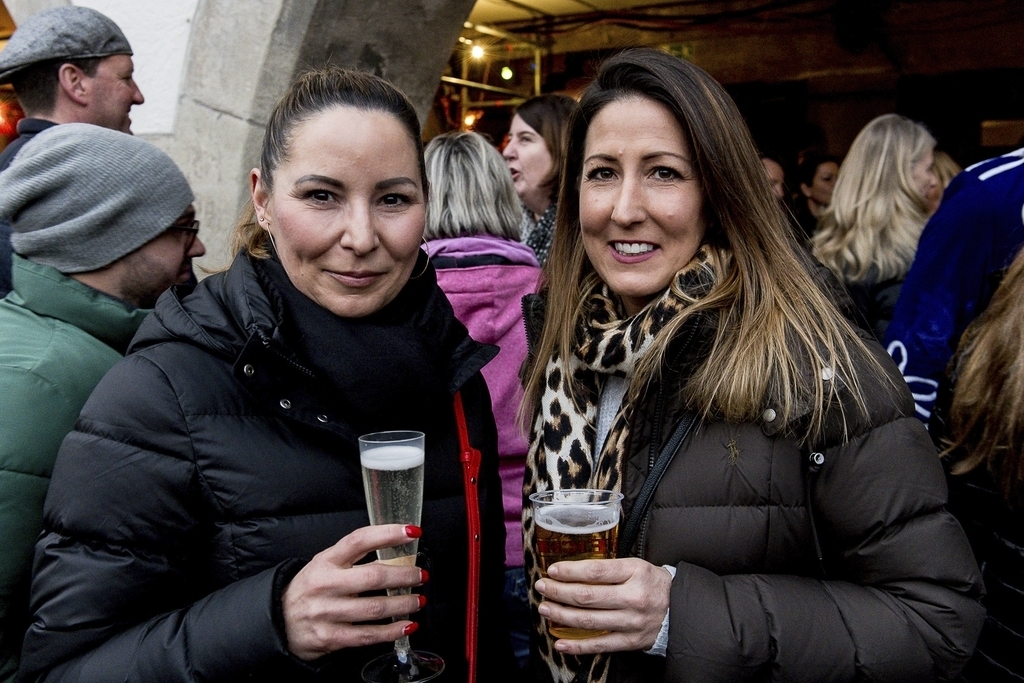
103 223
66 65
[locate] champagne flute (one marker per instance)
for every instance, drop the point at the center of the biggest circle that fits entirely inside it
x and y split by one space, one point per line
392 464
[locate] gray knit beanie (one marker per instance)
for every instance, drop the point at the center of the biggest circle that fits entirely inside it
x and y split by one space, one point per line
79 197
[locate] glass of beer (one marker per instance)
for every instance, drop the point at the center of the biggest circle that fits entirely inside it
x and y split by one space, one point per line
575 524
392 464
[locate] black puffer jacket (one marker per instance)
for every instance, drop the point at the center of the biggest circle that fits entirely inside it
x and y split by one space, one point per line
208 466
876 300
897 598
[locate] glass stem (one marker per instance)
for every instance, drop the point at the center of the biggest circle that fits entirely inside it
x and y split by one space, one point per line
403 649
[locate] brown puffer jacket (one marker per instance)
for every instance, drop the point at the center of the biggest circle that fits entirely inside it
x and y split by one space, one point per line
896 597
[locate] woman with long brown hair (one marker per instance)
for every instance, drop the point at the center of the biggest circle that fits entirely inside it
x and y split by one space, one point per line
985 445
783 509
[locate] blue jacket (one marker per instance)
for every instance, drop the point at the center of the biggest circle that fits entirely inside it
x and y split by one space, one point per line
963 252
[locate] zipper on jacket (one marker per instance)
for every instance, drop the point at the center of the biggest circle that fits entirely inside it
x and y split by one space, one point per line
267 344
814 462
659 404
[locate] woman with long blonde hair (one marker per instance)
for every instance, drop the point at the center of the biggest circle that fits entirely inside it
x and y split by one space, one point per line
687 358
868 234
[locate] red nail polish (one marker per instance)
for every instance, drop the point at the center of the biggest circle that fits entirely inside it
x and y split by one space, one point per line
424 576
413 531
423 600
410 629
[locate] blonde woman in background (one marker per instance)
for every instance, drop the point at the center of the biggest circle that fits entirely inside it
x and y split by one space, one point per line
868 234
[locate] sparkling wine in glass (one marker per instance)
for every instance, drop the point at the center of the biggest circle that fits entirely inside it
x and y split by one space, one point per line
392 464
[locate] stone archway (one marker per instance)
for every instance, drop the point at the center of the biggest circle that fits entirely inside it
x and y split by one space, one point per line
242 56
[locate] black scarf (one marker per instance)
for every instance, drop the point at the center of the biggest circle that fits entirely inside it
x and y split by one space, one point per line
396 368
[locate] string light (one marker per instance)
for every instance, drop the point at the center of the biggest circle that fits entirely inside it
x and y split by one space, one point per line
506 73
476 52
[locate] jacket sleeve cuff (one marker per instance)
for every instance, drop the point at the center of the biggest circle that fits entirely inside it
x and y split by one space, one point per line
660 646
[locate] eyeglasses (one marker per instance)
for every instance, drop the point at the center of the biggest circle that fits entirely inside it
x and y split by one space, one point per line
190 230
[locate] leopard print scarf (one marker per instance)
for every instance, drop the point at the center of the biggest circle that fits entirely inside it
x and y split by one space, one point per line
564 430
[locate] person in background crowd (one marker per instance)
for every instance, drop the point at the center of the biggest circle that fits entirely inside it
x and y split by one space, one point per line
206 518
473 219
66 65
681 316
816 177
776 176
868 234
983 432
946 169
963 252
103 224
534 149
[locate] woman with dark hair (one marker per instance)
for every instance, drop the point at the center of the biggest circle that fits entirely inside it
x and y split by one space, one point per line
984 439
816 178
472 238
784 512
193 523
536 142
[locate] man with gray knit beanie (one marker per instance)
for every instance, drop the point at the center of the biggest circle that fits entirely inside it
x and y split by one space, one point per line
102 224
67 65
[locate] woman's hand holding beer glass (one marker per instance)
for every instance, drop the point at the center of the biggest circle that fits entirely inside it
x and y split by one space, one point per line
625 598
592 602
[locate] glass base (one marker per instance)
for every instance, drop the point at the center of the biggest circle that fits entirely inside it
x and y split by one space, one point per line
420 666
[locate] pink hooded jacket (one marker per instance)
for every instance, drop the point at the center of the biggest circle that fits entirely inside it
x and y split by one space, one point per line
485 278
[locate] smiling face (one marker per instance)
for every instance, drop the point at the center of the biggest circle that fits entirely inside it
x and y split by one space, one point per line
640 199
347 209
529 160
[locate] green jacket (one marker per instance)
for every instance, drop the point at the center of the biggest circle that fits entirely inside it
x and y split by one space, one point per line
58 338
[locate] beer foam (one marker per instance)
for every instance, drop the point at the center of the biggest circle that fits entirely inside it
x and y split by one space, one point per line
392 458
577 519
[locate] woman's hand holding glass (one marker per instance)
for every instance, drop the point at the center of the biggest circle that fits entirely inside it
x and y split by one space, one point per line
323 608
628 597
